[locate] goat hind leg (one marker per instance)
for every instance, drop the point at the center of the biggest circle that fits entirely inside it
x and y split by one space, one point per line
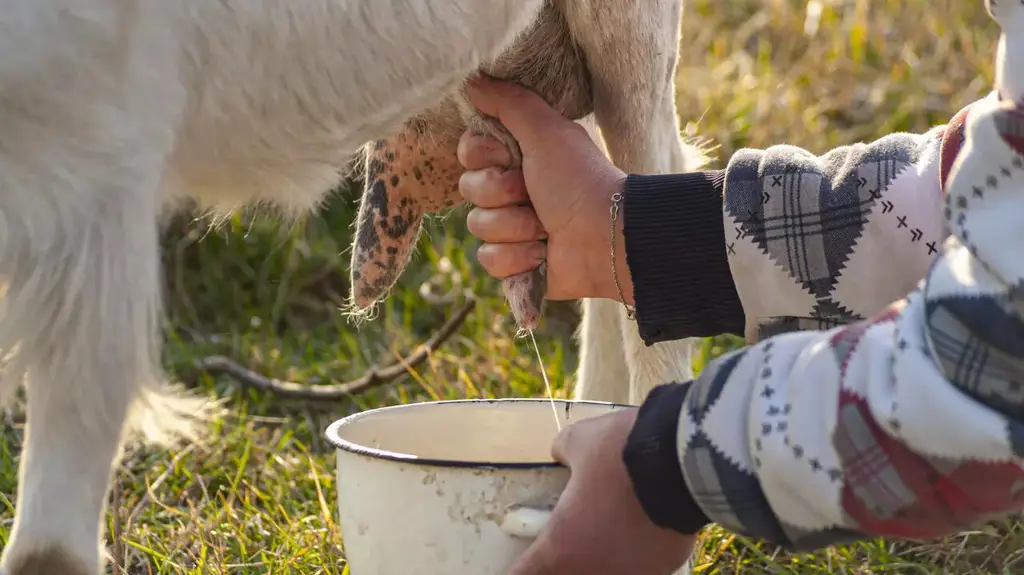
83 306
631 48
603 374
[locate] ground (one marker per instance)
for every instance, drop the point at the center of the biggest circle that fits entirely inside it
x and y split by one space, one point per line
260 499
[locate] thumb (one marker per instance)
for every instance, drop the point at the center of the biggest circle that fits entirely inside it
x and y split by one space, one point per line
523 113
577 441
565 448
560 448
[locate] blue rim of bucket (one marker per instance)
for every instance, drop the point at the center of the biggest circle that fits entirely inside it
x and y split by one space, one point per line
338 443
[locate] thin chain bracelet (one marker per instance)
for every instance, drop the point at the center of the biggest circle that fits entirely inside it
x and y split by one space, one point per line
614 210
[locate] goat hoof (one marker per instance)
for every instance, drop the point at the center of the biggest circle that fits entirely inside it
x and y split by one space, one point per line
49 561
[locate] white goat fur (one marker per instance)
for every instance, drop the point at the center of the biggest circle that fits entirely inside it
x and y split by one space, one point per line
113 111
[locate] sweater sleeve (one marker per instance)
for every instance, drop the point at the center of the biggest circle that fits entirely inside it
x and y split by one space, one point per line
909 424
817 242
783 240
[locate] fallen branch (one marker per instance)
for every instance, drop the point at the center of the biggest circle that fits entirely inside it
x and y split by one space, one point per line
375 376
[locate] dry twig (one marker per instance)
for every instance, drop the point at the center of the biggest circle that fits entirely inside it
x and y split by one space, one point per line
374 377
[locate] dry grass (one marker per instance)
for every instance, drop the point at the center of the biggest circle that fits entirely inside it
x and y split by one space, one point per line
753 74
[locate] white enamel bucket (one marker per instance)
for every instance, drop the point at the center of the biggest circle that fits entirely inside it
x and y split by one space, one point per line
448 487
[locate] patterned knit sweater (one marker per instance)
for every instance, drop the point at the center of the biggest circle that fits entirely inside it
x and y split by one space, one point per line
900 419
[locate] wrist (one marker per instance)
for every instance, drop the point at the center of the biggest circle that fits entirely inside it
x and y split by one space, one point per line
622 279
609 271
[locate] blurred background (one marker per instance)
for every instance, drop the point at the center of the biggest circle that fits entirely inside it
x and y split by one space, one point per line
260 498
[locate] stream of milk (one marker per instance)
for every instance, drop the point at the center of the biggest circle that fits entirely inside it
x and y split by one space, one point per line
547 384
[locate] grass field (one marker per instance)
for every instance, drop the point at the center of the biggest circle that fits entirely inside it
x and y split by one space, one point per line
260 498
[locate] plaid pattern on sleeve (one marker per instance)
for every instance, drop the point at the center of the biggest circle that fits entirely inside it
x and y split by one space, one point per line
910 423
817 242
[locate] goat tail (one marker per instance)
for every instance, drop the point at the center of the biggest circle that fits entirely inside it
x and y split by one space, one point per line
166 414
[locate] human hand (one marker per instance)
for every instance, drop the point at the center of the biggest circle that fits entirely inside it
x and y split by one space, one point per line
569 182
598 525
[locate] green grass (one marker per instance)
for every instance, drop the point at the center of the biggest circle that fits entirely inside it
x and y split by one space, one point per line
260 497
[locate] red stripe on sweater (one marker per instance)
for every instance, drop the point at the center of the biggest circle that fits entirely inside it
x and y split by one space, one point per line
952 141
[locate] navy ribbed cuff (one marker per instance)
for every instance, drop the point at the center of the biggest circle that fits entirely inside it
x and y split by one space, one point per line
676 252
652 462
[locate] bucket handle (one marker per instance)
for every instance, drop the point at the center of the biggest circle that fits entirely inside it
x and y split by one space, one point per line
525 522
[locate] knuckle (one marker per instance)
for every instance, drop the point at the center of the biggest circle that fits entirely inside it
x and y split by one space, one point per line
476 152
502 183
528 227
496 153
514 89
537 227
492 187
577 131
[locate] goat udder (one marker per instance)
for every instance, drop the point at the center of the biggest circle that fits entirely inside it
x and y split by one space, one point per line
407 176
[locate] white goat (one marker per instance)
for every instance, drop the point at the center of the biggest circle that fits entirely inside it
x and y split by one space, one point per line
112 111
